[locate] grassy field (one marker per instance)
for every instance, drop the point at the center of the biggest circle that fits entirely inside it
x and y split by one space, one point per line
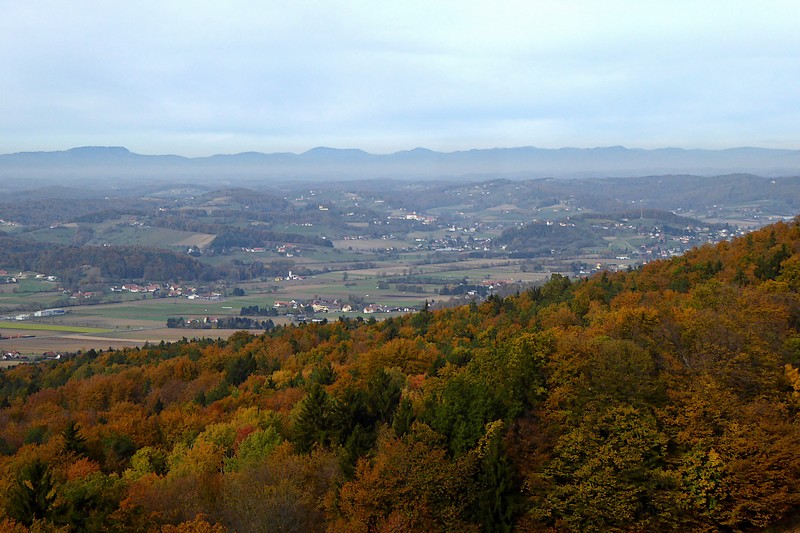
300 229
57 235
22 298
197 240
35 285
157 310
371 244
28 292
8 228
14 300
19 300
125 235
20 325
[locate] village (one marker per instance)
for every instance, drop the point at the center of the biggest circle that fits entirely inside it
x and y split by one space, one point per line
15 356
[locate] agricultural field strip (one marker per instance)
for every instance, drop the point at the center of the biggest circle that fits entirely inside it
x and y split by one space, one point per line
49 327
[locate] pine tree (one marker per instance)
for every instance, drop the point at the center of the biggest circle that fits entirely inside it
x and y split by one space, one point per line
32 496
73 441
312 424
495 505
383 395
403 417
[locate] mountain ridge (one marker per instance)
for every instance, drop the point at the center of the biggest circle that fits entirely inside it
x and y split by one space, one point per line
94 163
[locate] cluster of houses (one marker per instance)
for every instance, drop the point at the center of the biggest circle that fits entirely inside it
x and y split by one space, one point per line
150 287
5 277
288 250
168 289
425 219
208 297
13 355
457 244
80 295
436 244
335 306
289 277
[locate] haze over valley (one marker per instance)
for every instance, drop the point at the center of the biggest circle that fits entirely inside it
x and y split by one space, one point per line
228 247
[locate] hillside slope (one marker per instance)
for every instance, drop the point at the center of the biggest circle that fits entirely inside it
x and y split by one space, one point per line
664 398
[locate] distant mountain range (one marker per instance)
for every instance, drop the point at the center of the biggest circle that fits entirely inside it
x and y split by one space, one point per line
117 165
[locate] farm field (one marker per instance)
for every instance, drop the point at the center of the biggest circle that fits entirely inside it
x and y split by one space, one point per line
132 323
28 326
370 244
49 341
159 237
11 301
124 234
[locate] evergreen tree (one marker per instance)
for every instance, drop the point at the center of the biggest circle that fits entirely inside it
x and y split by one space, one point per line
239 369
403 418
73 441
383 395
32 496
323 374
312 423
495 506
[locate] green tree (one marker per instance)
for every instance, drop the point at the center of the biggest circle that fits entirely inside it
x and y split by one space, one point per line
33 495
496 501
461 410
89 501
383 395
254 449
313 423
323 374
606 473
403 418
239 368
73 441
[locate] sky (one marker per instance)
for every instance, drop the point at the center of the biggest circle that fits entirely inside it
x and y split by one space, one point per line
198 78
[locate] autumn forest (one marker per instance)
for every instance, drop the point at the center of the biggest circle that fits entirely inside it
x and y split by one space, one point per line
663 398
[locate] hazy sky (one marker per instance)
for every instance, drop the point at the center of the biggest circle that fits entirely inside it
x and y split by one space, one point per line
198 78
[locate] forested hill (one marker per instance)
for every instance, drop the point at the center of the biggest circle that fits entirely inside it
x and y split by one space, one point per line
661 399
113 262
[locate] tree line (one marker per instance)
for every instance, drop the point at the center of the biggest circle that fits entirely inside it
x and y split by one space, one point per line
232 322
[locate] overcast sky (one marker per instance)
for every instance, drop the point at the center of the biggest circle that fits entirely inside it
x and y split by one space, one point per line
199 78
